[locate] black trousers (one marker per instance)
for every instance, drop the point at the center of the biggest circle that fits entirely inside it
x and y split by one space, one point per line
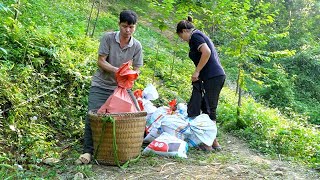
205 97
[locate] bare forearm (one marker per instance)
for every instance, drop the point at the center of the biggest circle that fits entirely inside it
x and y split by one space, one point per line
103 64
203 61
206 52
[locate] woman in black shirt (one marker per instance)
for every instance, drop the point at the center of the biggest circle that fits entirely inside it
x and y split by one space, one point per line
208 76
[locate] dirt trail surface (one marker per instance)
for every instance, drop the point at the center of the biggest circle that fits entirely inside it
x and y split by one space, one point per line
236 161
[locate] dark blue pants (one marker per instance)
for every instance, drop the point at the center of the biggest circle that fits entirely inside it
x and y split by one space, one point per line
213 88
205 97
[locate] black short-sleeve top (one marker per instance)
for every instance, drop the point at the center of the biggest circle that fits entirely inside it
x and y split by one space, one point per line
213 67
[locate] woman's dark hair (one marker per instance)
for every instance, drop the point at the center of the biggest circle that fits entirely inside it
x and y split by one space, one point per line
128 16
184 24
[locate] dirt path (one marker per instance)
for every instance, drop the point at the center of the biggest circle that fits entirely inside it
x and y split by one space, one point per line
236 161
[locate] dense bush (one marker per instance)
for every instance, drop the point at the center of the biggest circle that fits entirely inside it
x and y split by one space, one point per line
45 68
269 131
305 66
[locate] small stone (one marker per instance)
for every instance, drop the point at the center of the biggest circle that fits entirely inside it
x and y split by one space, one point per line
232 169
78 176
281 169
260 176
19 167
278 173
243 166
203 162
12 127
215 164
50 161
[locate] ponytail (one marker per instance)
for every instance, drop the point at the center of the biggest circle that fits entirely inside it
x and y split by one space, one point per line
185 24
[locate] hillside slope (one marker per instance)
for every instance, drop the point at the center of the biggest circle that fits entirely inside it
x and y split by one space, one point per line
44 83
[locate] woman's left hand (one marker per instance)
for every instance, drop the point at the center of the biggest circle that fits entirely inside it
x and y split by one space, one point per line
195 76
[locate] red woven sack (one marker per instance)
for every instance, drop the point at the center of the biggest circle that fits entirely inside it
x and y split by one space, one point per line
125 76
120 100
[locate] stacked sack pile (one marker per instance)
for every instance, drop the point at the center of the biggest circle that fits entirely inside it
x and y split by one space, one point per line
169 131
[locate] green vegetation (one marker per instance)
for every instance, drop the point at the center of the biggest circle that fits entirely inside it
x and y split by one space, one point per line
46 63
269 131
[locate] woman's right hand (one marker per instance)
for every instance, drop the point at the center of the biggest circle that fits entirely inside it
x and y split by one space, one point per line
195 76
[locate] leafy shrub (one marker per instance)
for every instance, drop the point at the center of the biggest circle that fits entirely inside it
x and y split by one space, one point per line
44 82
269 131
306 67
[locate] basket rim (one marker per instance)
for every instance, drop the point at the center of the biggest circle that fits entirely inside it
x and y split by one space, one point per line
120 114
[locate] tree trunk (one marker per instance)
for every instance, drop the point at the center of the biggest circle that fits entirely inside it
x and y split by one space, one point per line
89 19
16 12
239 103
238 81
95 23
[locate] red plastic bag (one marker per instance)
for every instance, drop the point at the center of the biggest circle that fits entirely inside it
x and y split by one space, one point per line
138 94
173 106
120 100
125 76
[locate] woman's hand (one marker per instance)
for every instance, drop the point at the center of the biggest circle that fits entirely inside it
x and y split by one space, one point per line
195 76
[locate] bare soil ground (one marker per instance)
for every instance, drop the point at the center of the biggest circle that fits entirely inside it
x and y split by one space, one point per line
236 161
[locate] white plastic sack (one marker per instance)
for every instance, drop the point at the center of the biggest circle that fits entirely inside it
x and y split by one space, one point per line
167 145
175 125
193 140
156 116
182 110
150 93
202 129
148 106
155 131
193 130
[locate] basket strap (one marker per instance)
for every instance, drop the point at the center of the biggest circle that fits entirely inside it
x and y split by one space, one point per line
106 119
104 125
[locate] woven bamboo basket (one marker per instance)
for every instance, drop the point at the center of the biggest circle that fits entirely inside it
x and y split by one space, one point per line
129 136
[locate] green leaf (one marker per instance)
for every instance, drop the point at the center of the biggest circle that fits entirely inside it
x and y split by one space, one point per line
4 8
3 50
6 166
